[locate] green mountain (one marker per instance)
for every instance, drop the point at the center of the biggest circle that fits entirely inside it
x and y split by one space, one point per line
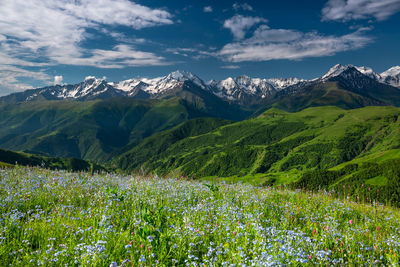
275 147
186 125
10 159
152 146
88 130
321 94
348 90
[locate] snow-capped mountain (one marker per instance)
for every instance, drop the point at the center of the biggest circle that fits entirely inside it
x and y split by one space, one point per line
126 85
351 78
90 88
338 69
335 71
171 81
391 76
240 88
367 71
159 85
282 83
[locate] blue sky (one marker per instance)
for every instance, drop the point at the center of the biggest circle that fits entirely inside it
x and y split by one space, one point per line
43 42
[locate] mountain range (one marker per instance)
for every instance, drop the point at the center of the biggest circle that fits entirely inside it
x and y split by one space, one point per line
242 90
272 130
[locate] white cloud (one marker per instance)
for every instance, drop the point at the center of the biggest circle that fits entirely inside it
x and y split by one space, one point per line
117 12
58 79
194 53
10 78
230 67
264 33
50 28
345 10
239 24
208 9
51 32
269 44
119 57
244 6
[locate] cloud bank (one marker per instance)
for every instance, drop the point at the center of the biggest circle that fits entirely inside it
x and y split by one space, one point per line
345 10
51 32
239 24
271 44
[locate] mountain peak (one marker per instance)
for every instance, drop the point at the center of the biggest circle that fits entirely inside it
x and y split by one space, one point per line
183 76
282 83
367 71
392 76
393 71
336 71
88 78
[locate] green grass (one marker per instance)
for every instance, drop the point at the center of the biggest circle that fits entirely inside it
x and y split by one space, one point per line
378 180
56 218
12 159
275 145
55 128
5 165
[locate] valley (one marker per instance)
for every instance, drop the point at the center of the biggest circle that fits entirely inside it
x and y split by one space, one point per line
340 129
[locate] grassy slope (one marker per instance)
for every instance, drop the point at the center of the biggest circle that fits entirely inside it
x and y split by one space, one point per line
59 218
330 94
277 145
159 142
55 128
8 159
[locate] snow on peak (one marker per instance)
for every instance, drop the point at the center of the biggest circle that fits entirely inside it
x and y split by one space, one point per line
393 71
171 81
238 87
183 76
282 83
227 84
392 76
88 78
367 71
336 71
90 86
155 86
126 86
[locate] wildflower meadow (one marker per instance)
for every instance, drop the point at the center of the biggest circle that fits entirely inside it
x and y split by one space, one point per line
57 218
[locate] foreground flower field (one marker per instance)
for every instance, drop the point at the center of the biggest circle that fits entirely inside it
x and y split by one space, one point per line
56 218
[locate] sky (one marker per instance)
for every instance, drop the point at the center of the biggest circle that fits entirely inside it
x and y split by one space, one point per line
46 42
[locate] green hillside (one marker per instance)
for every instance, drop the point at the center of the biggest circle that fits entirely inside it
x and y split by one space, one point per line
333 94
160 142
273 145
10 159
89 130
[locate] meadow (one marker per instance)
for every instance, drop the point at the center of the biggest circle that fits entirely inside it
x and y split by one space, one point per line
55 218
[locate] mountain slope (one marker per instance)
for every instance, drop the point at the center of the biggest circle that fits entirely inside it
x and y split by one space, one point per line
243 89
10 158
91 88
88 130
159 142
342 86
391 76
237 97
276 143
